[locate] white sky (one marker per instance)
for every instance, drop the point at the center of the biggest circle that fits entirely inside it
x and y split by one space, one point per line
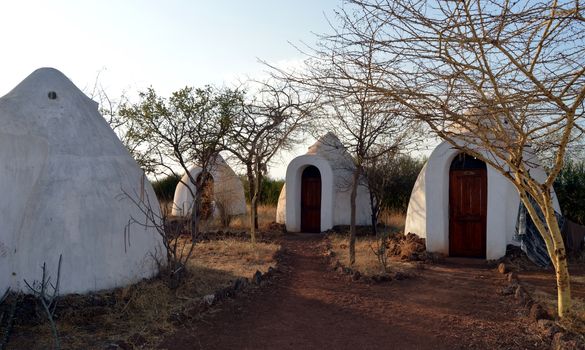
170 44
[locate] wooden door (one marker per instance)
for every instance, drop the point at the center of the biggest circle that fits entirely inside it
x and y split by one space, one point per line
311 200
467 212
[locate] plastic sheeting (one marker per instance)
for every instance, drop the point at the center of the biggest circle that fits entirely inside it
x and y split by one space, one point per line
531 242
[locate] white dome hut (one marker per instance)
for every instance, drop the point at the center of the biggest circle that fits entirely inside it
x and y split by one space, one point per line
228 191
464 207
316 195
63 172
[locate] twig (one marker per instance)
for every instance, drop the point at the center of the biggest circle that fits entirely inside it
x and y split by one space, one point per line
48 302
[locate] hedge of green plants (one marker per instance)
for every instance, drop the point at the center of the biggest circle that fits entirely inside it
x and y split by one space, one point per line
270 190
570 189
165 187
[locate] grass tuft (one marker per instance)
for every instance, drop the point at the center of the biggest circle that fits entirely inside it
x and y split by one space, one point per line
144 312
366 262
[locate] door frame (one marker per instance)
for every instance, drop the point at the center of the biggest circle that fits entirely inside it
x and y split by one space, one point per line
317 227
458 165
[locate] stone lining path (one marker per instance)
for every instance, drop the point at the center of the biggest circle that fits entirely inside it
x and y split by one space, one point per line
450 306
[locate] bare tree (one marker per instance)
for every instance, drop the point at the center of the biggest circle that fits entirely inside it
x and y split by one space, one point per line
377 179
499 80
186 129
369 130
176 252
368 124
265 125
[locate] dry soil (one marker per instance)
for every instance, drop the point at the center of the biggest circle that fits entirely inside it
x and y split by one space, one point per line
309 306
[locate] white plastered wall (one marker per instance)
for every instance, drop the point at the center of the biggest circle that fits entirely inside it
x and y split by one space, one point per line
280 206
227 188
335 195
336 167
63 174
428 208
293 180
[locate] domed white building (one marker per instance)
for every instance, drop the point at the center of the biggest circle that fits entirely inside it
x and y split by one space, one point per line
464 207
63 172
316 194
228 190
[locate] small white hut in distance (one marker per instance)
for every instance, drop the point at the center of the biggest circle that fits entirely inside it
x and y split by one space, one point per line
464 207
226 190
63 172
316 194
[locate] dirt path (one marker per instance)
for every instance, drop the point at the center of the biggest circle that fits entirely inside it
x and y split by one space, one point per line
312 307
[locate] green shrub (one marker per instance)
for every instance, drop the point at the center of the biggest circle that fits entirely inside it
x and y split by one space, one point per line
269 193
165 187
570 189
392 180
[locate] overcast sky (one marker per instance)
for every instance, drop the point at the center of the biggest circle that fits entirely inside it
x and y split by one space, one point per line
134 44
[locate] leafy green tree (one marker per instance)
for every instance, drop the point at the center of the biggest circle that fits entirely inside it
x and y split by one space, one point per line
175 133
270 190
390 180
165 187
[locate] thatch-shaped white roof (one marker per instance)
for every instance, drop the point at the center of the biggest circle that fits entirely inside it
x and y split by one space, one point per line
228 190
336 167
63 172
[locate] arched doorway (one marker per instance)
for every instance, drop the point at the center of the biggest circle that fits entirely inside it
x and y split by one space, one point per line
467 207
311 200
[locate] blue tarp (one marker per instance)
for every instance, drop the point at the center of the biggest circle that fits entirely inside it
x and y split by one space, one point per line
531 242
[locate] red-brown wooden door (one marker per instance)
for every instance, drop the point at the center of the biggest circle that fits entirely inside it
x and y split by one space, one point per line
467 212
311 200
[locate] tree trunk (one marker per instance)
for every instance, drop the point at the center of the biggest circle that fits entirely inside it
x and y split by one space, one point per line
253 215
561 265
374 207
352 228
551 234
258 189
256 215
181 261
253 203
196 212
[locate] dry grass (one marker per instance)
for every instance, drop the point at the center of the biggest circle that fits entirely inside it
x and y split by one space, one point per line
394 220
221 255
542 287
266 216
366 262
166 207
574 322
580 279
144 312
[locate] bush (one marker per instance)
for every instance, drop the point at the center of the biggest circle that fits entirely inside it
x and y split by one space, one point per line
570 189
269 192
165 187
392 179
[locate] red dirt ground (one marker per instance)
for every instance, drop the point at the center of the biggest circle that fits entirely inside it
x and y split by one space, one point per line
449 306
545 280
